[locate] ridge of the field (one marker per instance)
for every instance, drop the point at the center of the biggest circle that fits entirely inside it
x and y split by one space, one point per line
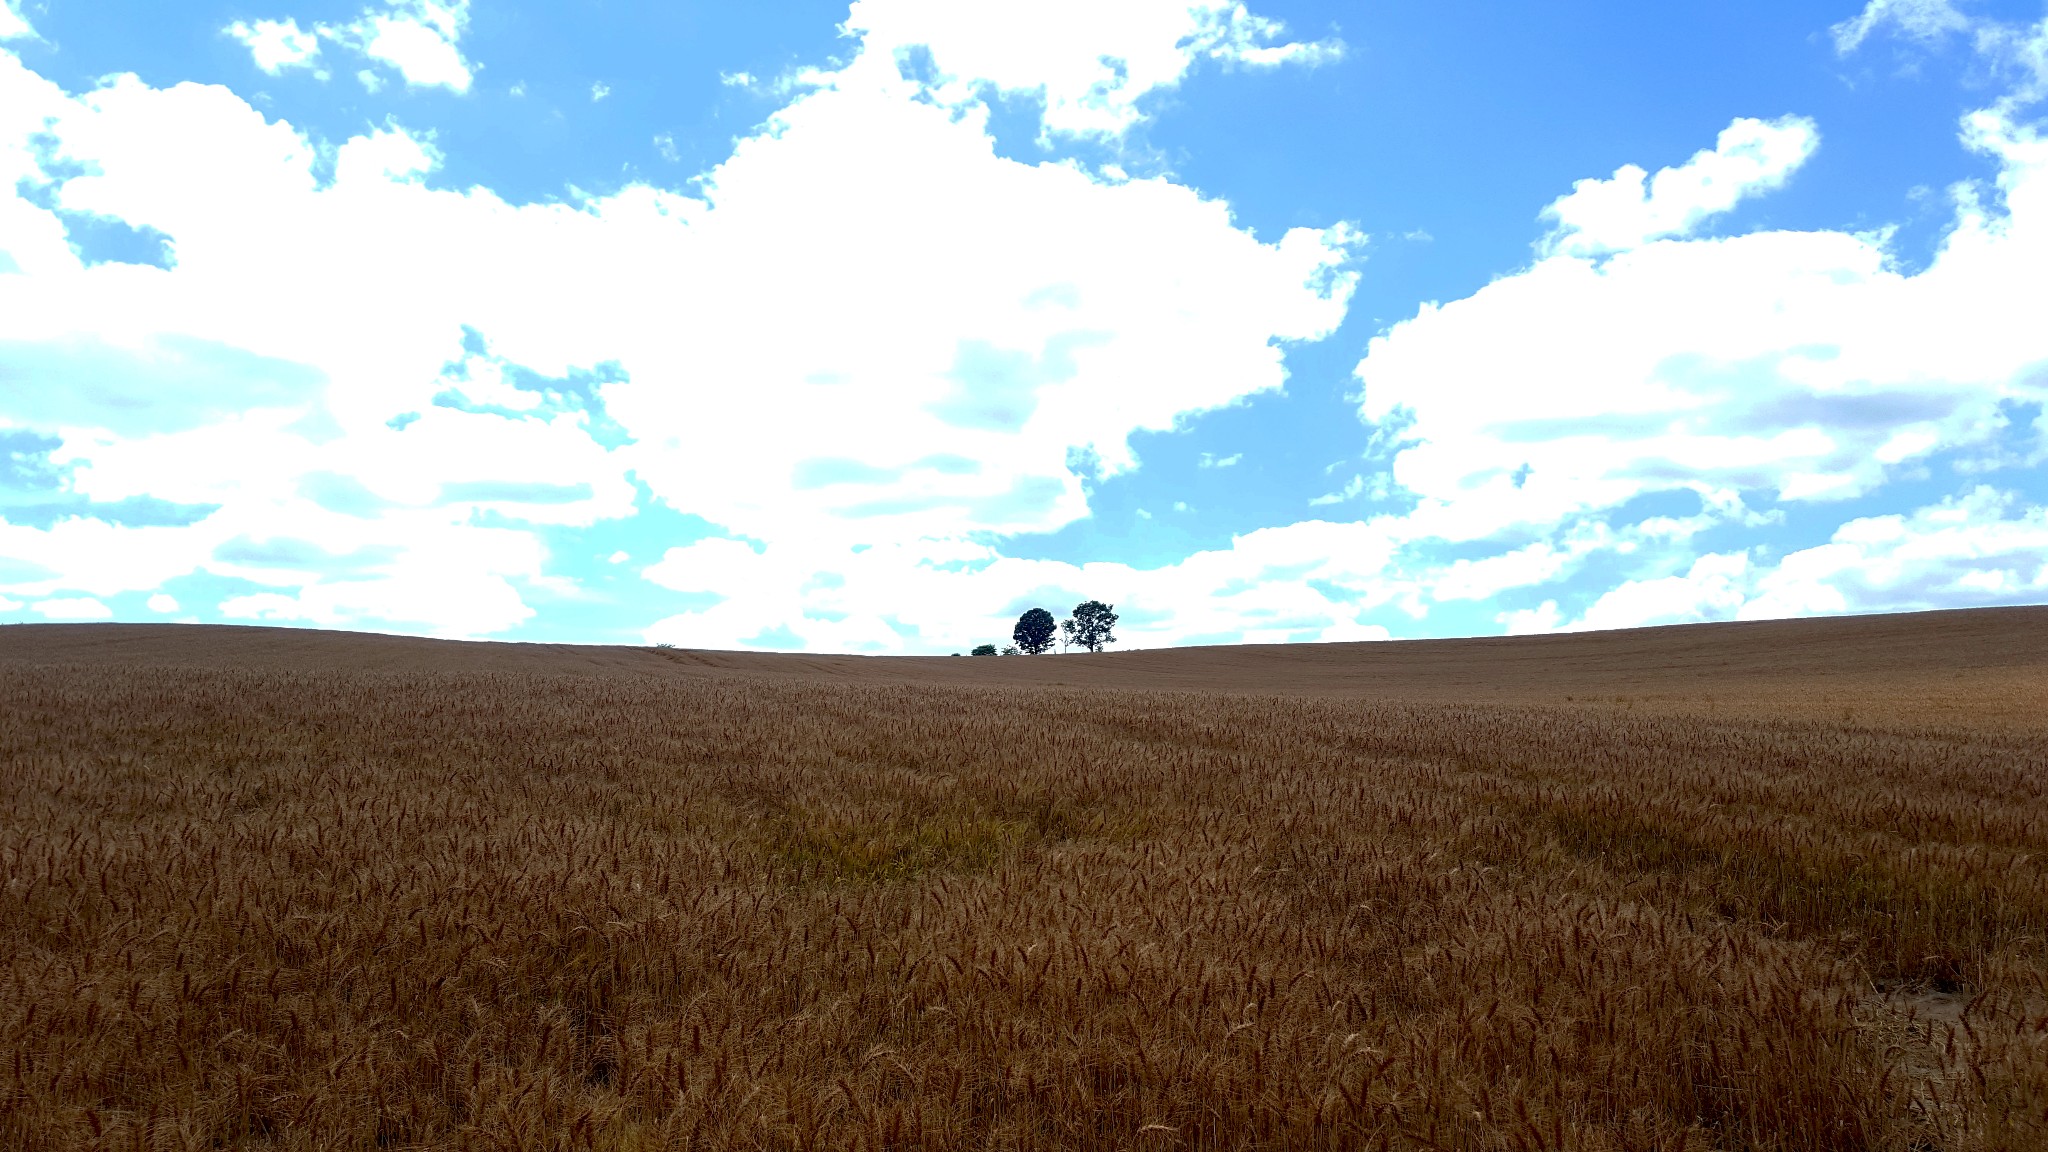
1980 663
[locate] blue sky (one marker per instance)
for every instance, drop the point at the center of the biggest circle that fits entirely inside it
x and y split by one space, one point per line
808 326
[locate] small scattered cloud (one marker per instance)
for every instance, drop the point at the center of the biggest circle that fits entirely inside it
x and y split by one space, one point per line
1545 617
1713 588
1483 579
1309 54
599 90
1922 20
1091 64
713 565
72 608
417 38
1350 491
1633 208
665 144
2017 50
737 79
1211 460
279 45
163 602
619 557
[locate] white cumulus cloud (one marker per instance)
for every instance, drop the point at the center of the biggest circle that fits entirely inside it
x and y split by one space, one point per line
13 25
72 608
1632 208
1350 491
1789 366
420 39
277 45
1712 589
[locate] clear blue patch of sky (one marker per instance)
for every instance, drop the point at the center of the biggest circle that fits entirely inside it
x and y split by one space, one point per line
105 240
1291 447
128 512
199 596
612 602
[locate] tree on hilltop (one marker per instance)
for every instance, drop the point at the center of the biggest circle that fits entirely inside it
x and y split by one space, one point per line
983 650
1091 626
1034 631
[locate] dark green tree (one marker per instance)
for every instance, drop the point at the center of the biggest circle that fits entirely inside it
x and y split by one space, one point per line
1091 626
1034 631
983 650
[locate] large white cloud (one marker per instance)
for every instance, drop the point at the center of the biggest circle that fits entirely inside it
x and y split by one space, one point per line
1787 365
870 338
965 324
1636 357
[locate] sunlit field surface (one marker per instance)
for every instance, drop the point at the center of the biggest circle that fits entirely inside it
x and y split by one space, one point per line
1772 886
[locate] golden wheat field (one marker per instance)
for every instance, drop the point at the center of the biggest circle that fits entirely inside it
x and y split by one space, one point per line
1759 886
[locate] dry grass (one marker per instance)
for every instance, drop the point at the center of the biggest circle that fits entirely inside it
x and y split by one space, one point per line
638 905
